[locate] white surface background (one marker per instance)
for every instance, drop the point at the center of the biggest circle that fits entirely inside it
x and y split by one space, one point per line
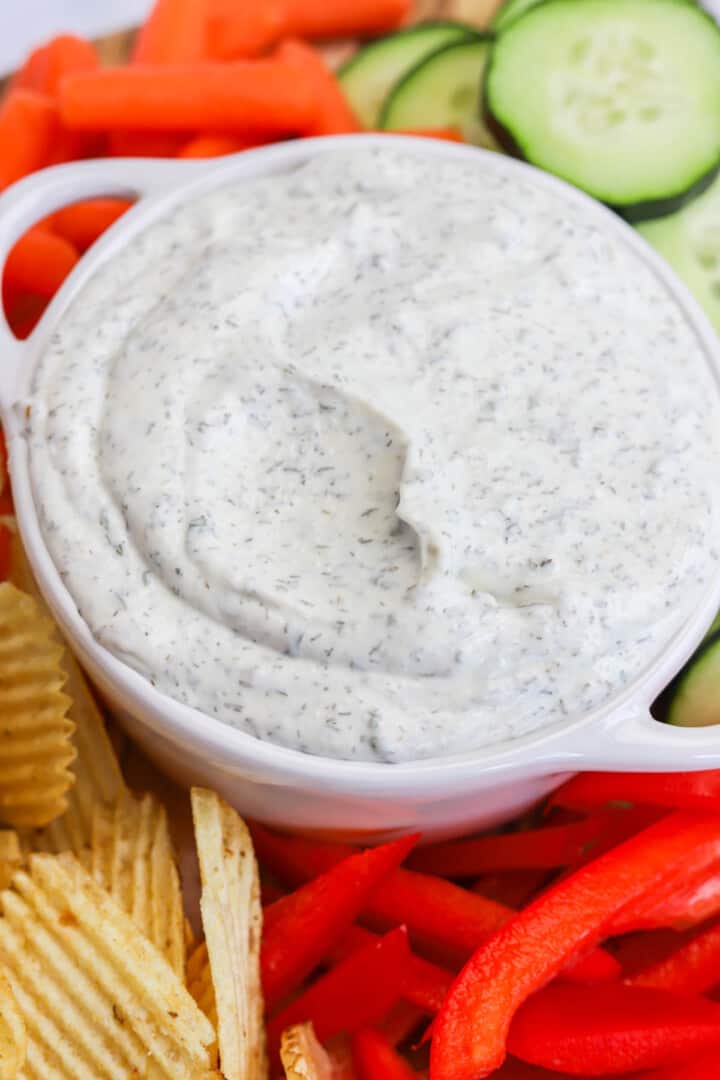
24 23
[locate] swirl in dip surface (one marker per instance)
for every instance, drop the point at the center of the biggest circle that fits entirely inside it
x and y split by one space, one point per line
389 457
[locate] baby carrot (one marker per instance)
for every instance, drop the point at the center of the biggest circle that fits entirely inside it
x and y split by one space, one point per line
39 263
237 30
144 143
333 115
451 134
28 125
83 222
352 18
48 64
248 95
173 33
207 146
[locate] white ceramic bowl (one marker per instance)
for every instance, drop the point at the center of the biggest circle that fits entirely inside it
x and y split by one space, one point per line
294 790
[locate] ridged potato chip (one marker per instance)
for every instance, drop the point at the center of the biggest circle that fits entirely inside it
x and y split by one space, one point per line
302 1056
132 857
96 769
232 920
10 856
35 731
98 1000
199 982
13 1037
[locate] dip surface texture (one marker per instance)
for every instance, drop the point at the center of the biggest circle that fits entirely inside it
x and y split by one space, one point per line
387 458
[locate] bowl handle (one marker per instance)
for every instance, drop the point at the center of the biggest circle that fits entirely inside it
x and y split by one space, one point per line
32 199
633 740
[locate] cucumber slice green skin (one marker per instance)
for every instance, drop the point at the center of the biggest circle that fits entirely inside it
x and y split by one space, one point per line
509 12
443 90
367 76
531 141
693 697
690 241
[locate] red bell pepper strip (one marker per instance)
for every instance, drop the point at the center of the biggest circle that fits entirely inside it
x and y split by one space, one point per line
352 995
547 848
520 1070
435 911
427 984
704 1067
470 1032
636 952
300 929
683 791
679 905
375 1058
429 907
402 1021
611 1030
620 825
693 968
514 888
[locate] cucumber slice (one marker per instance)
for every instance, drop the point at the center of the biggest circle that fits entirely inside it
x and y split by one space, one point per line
509 12
443 90
620 97
367 76
690 241
694 695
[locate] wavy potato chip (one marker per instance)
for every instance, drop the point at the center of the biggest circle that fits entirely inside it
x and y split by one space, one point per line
96 769
97 998
199 982
10 856
232 920
302 1056
13 1037
133 858
35 731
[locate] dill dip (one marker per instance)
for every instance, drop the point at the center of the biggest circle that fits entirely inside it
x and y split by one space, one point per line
389 457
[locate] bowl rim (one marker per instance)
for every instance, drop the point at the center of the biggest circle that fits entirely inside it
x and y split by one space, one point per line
601 738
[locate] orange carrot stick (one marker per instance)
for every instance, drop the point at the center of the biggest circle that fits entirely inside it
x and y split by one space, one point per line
236 29
343 18
333 115
248 95
83 222
47 65
28 126
174 33
207 146
451 134
39 263
43 71
144 143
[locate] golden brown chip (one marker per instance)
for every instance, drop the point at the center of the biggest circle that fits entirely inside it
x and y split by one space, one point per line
132 857
199 982
232 920
35 732
10 856
97 998
302 1055
13 1038
96 769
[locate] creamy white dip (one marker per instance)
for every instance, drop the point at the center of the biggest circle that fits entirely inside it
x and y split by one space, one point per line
386 458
